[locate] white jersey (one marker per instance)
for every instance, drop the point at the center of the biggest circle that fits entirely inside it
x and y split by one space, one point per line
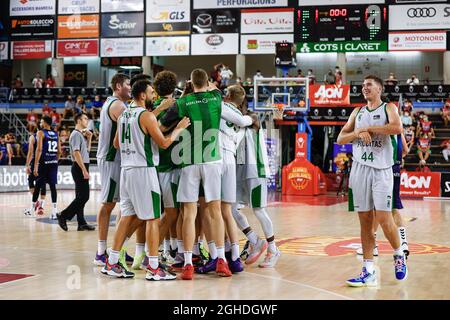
230 123
379 153
252 153
136 147
108 128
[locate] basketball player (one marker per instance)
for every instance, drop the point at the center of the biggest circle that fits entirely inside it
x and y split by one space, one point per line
201 165
48 151
372 129
29 167
138 138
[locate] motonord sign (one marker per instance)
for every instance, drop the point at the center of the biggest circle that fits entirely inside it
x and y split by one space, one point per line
344 46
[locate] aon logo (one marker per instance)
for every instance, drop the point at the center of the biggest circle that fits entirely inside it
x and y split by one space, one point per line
330 93
414 182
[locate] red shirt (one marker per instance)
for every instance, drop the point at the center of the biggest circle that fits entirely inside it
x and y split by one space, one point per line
424 144
46 110
49 83
426 126
31 117
56 118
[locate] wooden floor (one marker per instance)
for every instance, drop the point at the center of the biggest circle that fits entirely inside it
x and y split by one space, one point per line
40 261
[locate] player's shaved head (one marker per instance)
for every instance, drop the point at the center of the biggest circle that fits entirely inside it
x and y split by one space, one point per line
199 78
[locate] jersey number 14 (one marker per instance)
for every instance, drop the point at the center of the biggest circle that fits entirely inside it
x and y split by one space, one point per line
126 133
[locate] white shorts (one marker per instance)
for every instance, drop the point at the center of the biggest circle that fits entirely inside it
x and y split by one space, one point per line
207 174
228 192
140 194
169 186
110 180
252 192
370 188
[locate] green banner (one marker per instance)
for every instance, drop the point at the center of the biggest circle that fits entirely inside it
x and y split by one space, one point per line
344 46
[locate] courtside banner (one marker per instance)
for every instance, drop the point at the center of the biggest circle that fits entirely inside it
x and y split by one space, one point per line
77 48
78 6
15 178
427 16
267 21
78 26
122 24
212 44
122 47
420 184
216 21
445 185
32 49
226 4
32 7
168 17
418 41
262 43
321 95
4 50
122 5
41 27
336 2
167 46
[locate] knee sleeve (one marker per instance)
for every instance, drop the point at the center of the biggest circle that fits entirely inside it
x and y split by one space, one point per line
239 217
265 221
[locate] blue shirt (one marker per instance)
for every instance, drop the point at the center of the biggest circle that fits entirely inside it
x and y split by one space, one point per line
49 147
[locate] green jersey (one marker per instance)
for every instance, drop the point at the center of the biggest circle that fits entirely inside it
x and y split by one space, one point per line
165 155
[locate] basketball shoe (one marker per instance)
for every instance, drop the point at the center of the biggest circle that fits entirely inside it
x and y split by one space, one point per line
401 270
116 270
244 252
159 274
222 268
137 261
187 272
211 265
270 260
365 279
100 259
255 251
236 265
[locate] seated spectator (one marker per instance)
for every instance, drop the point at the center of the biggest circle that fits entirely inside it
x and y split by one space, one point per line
80 105
445 113
226 75
425 126
248 82
46 109
69 107
446 150
50 83
258 74
413 81
391 80
311 77
424 147
32 120
409 136
338 78
3 151
406 119
37 81
329 78
408 106
239 81
56 120
64 134
17 83
97 105
11 146
300 74
422 167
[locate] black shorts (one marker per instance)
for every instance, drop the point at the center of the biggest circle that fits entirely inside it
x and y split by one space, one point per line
47 173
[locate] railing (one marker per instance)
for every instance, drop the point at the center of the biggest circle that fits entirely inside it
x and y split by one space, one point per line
20 130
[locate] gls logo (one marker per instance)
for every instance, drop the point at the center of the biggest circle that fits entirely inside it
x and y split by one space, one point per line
170 15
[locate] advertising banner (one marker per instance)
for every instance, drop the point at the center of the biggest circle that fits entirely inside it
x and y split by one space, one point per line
267 21
321 95
427 16
168 17
32 7
226 4
78 6
78 26
445 185
336 2
75 75
301 145
4 50
77 48
263 43
121 61
420 184
215 21
122 24
223 43
340 156
344 46
32 49
42 27
418 41
167 46
122 5
122 47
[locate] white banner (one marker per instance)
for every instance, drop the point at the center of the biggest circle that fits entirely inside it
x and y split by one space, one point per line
4 50
267 21
78 6
419 17
336 2
122 47
263 43
167 46
221 43
418 41
122 5
162 11
32 7
226 4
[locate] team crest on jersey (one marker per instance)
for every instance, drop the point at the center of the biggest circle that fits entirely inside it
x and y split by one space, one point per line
51 133
376 117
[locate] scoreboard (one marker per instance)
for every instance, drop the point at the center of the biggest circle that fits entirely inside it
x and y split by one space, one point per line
341 23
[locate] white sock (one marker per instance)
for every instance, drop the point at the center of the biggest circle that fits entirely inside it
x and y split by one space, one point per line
221 253
55 207
187 257
139 249
252 237
234 251
272 246
32 206
402 234
369 265
42 203
166 245
180 246
113 257
153 262
173 243
227 246
195 249
212 249
398 251
101 247
146 249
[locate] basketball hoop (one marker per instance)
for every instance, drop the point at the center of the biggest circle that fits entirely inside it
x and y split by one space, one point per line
278 109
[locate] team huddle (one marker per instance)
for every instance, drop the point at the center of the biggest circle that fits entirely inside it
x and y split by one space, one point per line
179 168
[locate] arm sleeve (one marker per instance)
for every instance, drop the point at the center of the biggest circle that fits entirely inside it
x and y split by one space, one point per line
231 115
75 142
172 115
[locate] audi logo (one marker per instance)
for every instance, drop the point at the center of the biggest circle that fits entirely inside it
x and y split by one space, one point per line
421 12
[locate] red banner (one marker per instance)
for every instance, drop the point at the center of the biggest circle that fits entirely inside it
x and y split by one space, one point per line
32 49
77 48
301 145
420 184
329 95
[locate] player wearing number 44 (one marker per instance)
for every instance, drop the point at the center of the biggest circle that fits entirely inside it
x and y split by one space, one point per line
372 130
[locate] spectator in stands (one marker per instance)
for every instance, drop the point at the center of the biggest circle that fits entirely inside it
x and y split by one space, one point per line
300 73
50 83
248 82
425 126
3 151
391 80
424 147
338 78
446 149
407 106
409 136
91 127
37 81
56 119
413 81
406 119
445 113
64 134
97 105
215 74
258 74
80 106
423 168
46 109
11 146
311 76
226 74
329 77
69 107
239 81
17 83
32 120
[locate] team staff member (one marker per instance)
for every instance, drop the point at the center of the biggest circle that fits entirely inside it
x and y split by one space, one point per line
80 145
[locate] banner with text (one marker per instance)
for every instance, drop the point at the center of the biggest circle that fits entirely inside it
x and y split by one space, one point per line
419 17
336 2
42 27
226 4
122 24
344 46
77 48
262 43
267 21
32 7
215 21
321 95
168 17
122 47
32 49
78 6
123 5
420 184
167 46
418 41
215 44
78 26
